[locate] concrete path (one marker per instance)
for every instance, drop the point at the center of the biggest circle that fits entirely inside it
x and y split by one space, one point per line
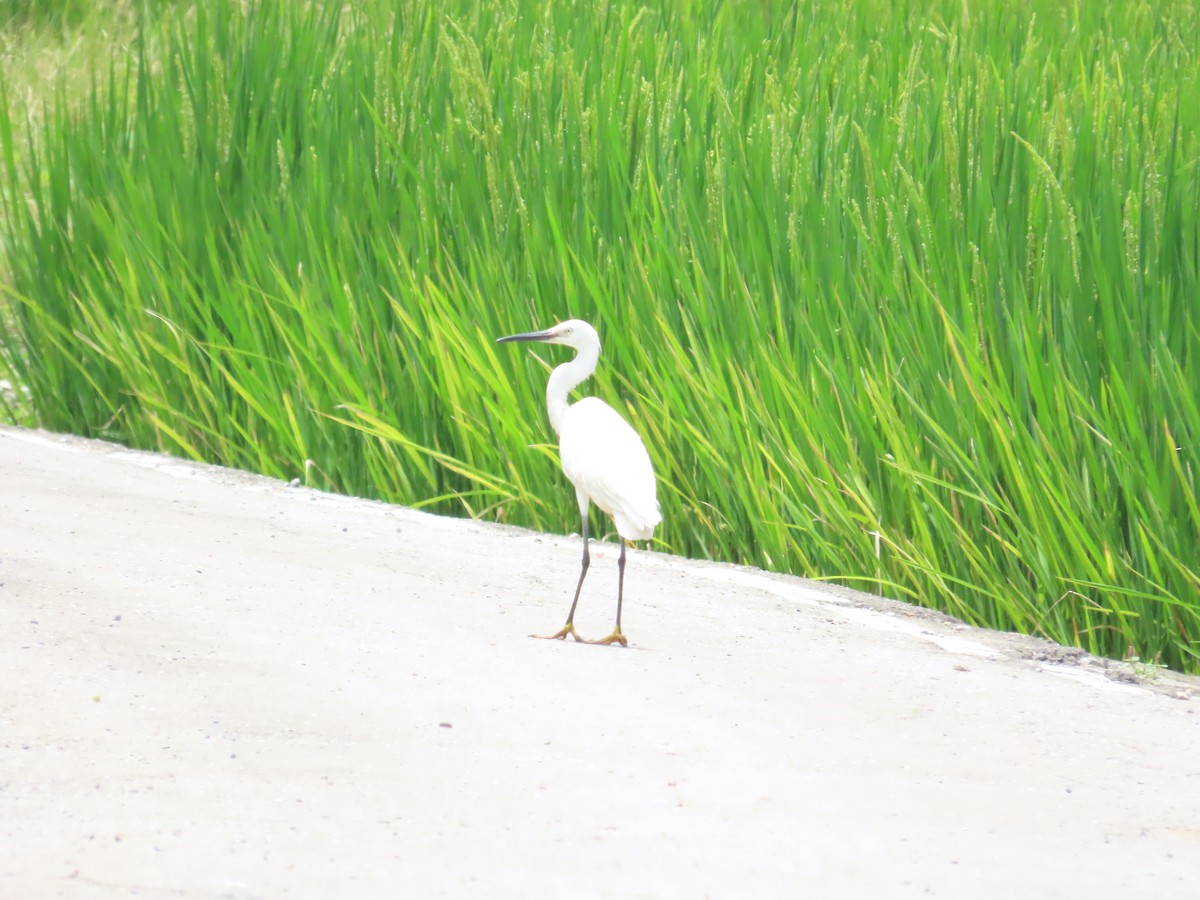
215 685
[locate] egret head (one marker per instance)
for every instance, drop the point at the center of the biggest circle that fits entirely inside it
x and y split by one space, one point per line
573 333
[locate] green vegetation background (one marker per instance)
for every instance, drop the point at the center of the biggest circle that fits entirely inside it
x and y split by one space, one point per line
901 294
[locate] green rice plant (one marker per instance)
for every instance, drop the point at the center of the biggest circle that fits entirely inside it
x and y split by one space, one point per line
900 294
18 13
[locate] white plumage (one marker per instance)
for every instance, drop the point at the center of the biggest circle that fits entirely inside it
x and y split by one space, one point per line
601 454
607 462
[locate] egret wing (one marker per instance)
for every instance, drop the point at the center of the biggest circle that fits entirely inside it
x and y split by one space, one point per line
606 459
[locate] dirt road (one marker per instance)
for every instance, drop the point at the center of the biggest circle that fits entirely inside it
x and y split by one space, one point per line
216 685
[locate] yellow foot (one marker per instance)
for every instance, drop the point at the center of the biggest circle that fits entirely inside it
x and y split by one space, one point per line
560 634
615 638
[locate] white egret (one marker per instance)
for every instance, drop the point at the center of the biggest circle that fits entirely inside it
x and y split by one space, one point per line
602 456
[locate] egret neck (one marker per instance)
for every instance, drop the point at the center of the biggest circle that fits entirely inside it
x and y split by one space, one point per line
566 377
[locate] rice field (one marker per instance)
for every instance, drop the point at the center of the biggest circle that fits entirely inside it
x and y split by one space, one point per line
901 295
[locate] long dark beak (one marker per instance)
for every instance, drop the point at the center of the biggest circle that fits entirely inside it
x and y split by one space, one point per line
528 336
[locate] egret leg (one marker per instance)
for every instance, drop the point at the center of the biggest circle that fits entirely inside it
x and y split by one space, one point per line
616 637
569 628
